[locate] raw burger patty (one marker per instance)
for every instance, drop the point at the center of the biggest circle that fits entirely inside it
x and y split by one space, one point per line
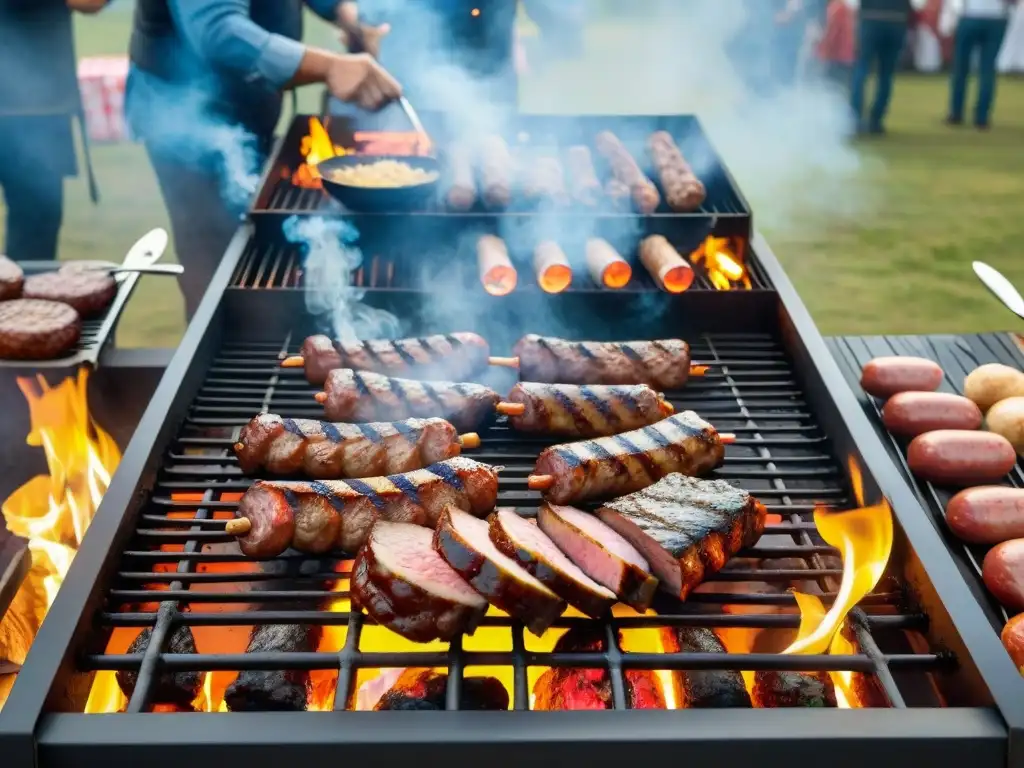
11 279
32 329
87 291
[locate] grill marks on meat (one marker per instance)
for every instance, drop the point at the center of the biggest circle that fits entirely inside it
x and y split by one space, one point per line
425 689
326 451
174 688
568 410
687 528
662 364
33 329
363 396
87 291
601 553
453 355
612 466
703 688
12 278
464 542
776 690
406 586
317 516
285 690
524 542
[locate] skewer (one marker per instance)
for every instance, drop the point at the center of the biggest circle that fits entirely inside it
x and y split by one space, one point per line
238 527
298 361
509 409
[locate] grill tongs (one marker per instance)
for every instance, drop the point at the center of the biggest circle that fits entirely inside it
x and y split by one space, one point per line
141 258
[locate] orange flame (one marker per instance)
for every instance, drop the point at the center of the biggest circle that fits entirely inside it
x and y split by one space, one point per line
316 147
724 269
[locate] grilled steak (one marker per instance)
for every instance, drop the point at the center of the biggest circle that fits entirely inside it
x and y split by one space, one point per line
31 329
11 279
661 364
463 541
176 688
280 690
427 690
523 541
600 553
87 291
567 410
703 688
775 690
687 528
407 587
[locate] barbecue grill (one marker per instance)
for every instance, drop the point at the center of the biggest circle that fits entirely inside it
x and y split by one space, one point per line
157 556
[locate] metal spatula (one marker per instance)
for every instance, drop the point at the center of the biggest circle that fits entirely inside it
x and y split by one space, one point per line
1001 287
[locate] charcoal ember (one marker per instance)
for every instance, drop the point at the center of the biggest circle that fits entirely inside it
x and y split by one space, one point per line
776 690
426 689
397 702
704 688
281 690
175 688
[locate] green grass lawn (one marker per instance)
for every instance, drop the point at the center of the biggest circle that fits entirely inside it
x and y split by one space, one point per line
932 200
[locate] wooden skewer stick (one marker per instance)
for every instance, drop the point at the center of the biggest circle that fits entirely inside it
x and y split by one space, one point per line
469 440
699 370
298 361
540 482
320 397
511 409
295 361
727 438
238 527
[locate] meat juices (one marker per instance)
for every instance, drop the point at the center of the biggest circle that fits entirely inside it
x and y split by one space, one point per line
568 410
987 514
626 171
87 291
277 690
464 542
583 182
884 377
357 396
459 355
12 278
318 516
325 451
909 414
684 192
176 688
687 528
703 688
954 457
407 587
613 466
497 172
462 192
662 364
600 553
33 329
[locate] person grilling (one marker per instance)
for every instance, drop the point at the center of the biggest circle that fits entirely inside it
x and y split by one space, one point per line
204 95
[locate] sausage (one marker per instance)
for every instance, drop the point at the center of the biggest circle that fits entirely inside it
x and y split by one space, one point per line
583 182
987 514
884 377
1013 640
462 192
1003 572
684 192
625 169
496 171
567 410
545 182
957 457
909 414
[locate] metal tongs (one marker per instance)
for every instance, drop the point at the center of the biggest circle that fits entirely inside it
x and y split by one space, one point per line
141 258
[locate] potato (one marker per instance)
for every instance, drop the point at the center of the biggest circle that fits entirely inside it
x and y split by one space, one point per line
1006 418
988 384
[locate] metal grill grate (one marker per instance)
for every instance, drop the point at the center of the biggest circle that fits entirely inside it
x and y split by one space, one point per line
780 455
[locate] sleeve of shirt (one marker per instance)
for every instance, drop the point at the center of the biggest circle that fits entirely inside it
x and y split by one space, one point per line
222 33
853 5
325 9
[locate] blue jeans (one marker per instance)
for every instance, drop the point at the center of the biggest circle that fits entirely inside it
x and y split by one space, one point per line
879 42
986 37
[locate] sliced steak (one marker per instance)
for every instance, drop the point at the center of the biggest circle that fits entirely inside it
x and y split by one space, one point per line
687 528
87 291
600 553
31 329
528 545
463 541
175 688
11 279
400 580
776 690
426 689
703 688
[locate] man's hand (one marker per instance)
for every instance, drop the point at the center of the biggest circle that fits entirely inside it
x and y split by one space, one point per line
359 78
365 39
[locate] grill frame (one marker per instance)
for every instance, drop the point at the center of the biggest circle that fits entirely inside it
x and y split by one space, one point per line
946 736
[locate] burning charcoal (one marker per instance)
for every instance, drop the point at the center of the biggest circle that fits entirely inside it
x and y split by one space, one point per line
177 688
775 690
426 689
704 688
395 702
281 690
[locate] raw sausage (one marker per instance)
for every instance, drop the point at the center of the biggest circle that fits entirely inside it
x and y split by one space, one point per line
883 377
909 414
1013 640
987 515
960 458
1003 571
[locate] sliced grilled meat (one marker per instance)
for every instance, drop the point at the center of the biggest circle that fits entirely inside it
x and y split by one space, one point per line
523 541
427 689
12 278
363 396
325 451
663 364
87 291
775 690
407 587
174 688
317 516
703 688
600 553
32 329
463 541
458 355
612 466
687 528
279 690
568 410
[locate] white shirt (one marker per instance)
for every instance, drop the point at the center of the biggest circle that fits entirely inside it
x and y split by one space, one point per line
917 5
985 9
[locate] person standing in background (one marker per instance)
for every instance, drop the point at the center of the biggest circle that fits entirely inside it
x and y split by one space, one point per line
980 29
837 49
882 32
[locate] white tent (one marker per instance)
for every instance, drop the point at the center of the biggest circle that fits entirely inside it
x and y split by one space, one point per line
1011 57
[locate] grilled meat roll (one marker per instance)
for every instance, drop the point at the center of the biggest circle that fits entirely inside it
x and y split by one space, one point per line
568 410
775 690
703 688
317 516
497 172
684 192
663 364
584 185
173 688
276 690
627 172
613 466
461 195
687 528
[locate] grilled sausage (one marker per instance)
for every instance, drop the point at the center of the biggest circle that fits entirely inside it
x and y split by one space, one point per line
275 690
960 458
625 169
567 410
884 377
12 278
363 396
33 329
583 182
987 514
496 172
1013 640
663 364
545 182
1003 572
614 466
462 192
316 517
325 451
703 688
909 414
684 192
177 688
459 355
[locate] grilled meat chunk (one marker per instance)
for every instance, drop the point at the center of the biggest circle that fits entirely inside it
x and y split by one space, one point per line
687 528
663 364
12 278
612 466
172 688
279 690
33 329
524 541
775 690
87 291
363 396
407 587
463 541
568 410
426 689
325 451
703 688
